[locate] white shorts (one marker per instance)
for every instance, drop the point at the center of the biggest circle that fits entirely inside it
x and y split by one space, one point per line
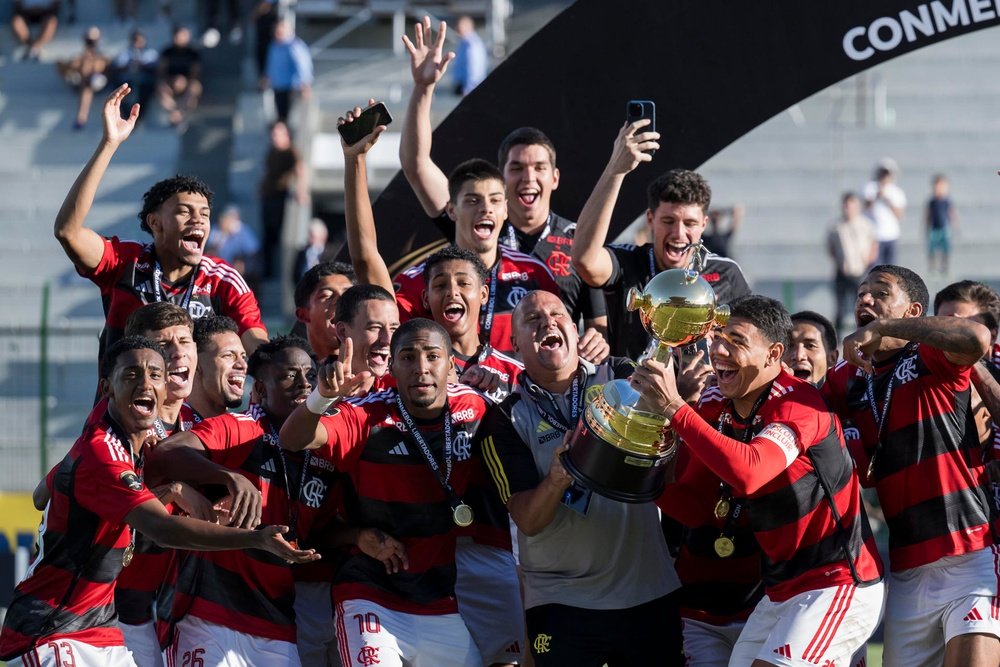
489 600
818 627
369 634
142 641
205 644
314 627
707 645
931 604
65 652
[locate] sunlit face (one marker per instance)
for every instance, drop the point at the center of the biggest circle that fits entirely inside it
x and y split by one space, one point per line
674 227
318 313
421 366
285 382
881 296
454 296
136 389
807 356
370 331
544 335
478 211
529 180
181 226
743 359
222 369
182 359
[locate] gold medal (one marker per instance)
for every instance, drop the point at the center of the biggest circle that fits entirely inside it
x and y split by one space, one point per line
461 514
722 508
724 546
127 556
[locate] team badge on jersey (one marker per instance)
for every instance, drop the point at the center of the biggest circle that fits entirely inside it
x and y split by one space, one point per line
131 480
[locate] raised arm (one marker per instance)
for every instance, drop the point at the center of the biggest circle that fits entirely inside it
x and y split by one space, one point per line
590 258
82 245
963 341
428 63
362 241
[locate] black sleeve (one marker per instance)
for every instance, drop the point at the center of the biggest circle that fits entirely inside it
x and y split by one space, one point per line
508 460
593 304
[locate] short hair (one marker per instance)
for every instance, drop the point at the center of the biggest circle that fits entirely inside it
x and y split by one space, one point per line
979 294
525 136
475 170
127 344
416 325
825 326
849 195
156 316
266 352
350 301
679 186
210 325
765 313
912 284
310 279
167 188
454 253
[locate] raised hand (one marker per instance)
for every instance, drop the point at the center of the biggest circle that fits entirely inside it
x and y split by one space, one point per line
693 377
630 147
271 540
116 128
365 143
862 344
593 347
337 380
427 63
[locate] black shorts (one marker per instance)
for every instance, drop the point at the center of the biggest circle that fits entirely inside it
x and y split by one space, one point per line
35 15
648 635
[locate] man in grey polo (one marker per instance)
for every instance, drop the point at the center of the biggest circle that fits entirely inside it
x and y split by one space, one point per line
598 580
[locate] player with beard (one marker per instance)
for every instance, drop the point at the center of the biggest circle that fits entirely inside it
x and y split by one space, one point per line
904 383
781 456
239 606
677 212
813 349
173 267
316 297
63 611
527 159
408 455
222 367
598 581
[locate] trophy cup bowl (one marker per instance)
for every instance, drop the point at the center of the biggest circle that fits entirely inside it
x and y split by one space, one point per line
620 448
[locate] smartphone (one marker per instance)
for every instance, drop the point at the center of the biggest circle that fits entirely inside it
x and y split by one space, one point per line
639 109
689 352
365 123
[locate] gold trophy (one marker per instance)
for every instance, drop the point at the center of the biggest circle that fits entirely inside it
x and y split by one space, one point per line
620 448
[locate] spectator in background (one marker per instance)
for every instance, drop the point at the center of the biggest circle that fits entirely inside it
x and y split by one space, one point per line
315 251
289 68
723 223
179 77
136 66
282 164
26 13
125 11
264 17
885 205
471 59
85 73
236 243
940 219
853 247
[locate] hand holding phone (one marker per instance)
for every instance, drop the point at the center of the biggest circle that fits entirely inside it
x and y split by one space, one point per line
639 110
353 131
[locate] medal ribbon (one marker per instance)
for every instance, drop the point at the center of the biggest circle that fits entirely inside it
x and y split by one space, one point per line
432 463
881 419
488 308
158 288
293 503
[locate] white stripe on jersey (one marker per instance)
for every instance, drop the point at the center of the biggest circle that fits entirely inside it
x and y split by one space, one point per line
115 448
415 271
518 256
711 394
226 273
503 357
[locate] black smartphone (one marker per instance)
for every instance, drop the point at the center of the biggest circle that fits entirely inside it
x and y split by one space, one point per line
365 123
639 109
689 352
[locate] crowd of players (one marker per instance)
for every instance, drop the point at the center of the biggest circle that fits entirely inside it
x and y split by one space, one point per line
394 495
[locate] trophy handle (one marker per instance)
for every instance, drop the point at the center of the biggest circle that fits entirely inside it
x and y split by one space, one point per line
657 350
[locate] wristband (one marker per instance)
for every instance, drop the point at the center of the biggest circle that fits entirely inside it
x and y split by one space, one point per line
317 403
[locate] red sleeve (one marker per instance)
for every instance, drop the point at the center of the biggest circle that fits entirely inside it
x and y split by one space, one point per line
409 299
109 269
106 482
834 389
239 303
228 439
941 366
346 434
745 467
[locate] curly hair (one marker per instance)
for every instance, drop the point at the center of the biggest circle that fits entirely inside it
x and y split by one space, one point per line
266 352
454 253
167 188
679 186
127 344
210 325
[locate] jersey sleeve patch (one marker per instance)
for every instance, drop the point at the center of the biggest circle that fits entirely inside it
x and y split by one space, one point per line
131 480
784 438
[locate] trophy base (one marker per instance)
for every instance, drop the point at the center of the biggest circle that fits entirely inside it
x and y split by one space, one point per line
612 472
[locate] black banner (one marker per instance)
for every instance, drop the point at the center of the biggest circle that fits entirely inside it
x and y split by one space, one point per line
716 70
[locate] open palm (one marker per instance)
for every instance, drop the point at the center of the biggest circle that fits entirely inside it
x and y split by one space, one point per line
116 128
428 62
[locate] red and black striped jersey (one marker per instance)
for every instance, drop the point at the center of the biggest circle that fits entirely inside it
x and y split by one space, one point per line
125 275
516 274
253 591
390 486
928 470
801 488
505 367
68 591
